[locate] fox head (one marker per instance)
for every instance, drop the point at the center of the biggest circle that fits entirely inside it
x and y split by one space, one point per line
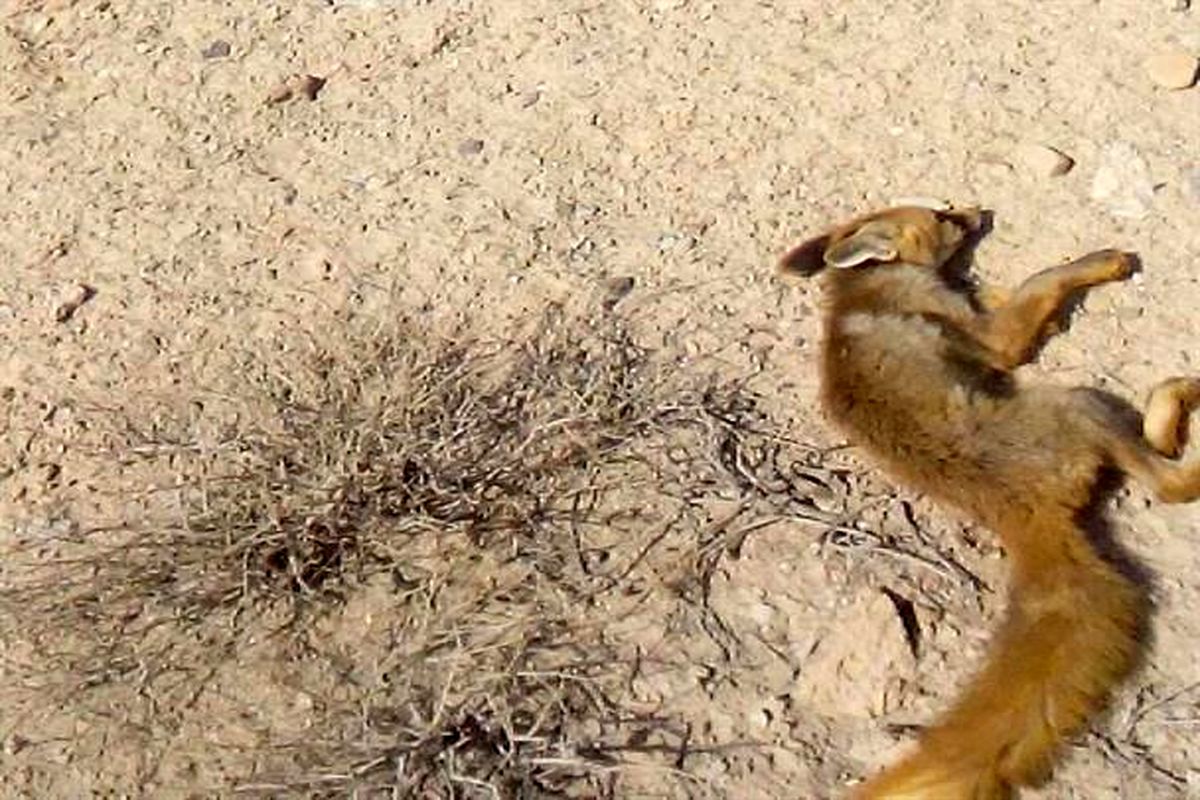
908 234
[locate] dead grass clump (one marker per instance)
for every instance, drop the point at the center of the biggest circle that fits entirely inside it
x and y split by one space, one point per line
493 506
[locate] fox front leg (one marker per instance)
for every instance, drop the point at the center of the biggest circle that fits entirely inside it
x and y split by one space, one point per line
1012 328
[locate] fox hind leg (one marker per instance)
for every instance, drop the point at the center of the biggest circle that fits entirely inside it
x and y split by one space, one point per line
1167 410
1149 456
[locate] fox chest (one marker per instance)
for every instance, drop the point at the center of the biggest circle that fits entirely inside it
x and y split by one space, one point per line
889 384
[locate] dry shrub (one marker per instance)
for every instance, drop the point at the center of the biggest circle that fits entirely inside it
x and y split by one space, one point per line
503 503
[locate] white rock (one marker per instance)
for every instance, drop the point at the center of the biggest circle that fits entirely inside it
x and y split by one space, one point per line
70 299
1041 161
1191 183
995 169
1172 69
1122 182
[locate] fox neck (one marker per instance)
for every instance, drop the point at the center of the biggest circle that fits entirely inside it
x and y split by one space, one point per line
883 289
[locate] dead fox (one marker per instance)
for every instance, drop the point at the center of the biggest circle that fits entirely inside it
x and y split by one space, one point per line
921 377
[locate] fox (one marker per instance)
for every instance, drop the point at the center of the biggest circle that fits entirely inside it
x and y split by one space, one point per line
918 372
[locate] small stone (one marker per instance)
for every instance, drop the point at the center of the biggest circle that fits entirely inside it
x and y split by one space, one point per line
675 241
71 300
308 86
470 147
1042 161
1179 5
48 473
1191 184
1122 182
583 248
219 48
15 744
994 168
564 208
616 289
1173 69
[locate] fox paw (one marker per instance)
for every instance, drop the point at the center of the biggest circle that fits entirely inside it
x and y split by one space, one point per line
1119 264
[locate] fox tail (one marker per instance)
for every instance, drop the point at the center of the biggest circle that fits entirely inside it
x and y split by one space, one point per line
1074 630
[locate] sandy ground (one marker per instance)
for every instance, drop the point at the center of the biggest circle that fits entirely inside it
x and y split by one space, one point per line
471 161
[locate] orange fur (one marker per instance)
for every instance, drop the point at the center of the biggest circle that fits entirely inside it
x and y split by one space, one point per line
922 379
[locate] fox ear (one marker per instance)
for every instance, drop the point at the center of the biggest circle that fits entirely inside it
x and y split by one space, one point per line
805 259
872 242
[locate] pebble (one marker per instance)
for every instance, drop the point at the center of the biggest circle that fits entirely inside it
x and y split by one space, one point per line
1172 69
676 242
995 168
1042 161
15 744
71 300
470 147
1122 182
217 49
307 86
616 289
1191 184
